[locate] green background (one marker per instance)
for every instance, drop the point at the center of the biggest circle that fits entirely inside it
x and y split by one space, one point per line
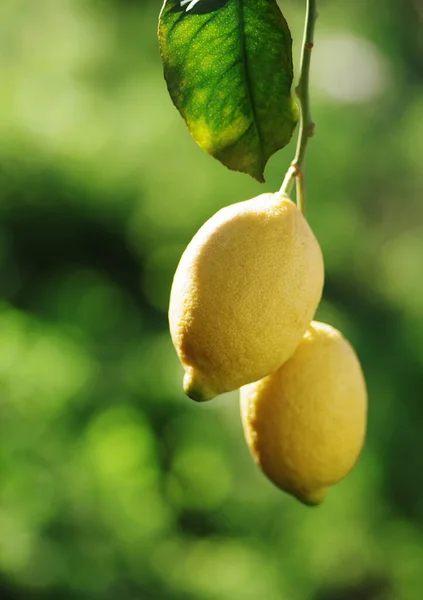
113 484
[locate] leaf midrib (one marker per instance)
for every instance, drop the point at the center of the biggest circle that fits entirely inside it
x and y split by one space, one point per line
245 62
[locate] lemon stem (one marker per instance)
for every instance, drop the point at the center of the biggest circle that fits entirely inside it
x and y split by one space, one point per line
307 125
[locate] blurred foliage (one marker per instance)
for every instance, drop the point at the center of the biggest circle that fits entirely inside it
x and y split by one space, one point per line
113 484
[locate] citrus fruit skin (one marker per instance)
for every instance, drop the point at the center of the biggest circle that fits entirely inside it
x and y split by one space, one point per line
244 293
305 423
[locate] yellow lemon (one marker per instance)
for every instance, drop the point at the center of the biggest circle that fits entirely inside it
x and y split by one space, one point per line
244 293
305 424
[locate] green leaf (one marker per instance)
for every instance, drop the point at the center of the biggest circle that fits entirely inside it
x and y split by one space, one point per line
228 68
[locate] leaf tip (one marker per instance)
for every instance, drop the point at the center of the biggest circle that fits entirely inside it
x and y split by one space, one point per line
259 178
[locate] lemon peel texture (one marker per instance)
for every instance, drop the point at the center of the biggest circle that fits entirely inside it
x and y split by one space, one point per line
244 293
305 424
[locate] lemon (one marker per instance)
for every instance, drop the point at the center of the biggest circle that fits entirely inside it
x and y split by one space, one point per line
305 424
244 293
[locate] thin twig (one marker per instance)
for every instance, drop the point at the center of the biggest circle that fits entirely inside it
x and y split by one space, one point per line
307 126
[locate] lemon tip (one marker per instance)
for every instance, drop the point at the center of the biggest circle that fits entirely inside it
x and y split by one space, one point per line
313 498
195 390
